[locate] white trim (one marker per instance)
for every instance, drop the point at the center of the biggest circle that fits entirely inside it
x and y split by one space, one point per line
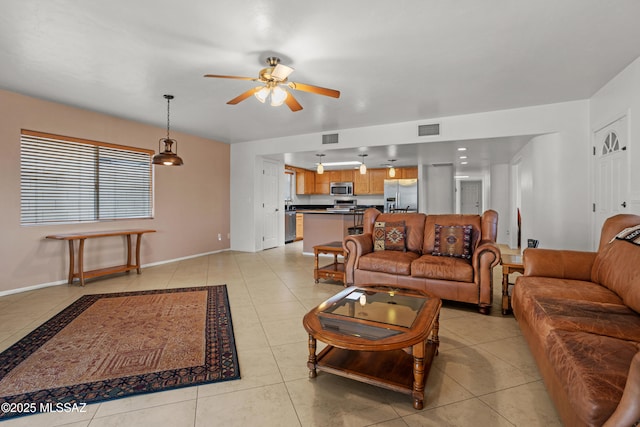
64 281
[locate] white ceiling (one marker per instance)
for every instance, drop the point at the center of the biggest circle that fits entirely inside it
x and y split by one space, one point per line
392 61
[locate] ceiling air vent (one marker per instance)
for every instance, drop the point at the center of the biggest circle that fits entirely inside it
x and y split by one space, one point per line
331 138
429 130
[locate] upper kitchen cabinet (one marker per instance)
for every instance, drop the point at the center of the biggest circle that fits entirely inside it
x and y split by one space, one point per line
345 175
322 182
360 183
407 173
376 180
305 181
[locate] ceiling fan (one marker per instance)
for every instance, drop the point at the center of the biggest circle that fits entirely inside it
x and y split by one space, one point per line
275 81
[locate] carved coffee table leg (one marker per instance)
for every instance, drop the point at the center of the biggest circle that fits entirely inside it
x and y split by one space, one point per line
311 363
418 375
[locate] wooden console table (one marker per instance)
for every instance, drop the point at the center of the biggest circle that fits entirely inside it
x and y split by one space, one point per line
81 274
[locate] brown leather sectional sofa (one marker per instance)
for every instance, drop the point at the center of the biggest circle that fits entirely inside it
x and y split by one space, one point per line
580 314
450 278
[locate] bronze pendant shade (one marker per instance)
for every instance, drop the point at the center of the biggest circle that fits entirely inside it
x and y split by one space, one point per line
167 157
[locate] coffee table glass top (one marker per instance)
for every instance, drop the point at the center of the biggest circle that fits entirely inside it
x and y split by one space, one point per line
364 314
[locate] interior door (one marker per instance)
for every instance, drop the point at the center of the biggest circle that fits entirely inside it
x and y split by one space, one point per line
611 173
470 197
271 171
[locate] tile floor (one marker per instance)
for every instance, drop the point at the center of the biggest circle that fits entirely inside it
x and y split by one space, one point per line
483 376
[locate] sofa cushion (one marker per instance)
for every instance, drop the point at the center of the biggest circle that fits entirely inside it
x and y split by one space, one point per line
444 268
611 320
593 370
392 262
389 236
452 240
616 268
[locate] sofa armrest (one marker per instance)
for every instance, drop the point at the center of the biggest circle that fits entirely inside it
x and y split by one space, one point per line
355 246
485 257
560 264
628 411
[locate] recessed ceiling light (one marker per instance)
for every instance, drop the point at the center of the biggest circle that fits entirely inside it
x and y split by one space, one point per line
464 163
462 157
461 176
462 149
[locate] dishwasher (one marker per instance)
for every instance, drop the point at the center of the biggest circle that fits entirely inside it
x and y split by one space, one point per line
289 226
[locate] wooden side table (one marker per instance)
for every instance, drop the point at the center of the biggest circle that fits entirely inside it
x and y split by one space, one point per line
333 271
510 264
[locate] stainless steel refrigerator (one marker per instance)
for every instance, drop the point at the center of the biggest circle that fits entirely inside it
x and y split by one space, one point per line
401 194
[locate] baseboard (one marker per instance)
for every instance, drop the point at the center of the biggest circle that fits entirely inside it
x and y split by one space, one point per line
64 281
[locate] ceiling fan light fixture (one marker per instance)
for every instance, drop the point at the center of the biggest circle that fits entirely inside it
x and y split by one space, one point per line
278 96
281 72
167 157
262 93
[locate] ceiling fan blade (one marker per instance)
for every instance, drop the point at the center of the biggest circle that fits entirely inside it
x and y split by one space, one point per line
292 103
314 89
244 95
281 72
231 77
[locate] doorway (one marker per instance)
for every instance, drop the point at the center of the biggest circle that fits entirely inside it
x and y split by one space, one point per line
611 173
471 197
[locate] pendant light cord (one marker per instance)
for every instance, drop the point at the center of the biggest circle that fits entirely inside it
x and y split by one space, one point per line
168 106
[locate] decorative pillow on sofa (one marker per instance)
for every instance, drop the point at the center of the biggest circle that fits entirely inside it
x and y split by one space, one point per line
389 236
453 241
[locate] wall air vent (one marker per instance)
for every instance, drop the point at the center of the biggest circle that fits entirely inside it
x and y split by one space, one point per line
331 138
442 164
429 130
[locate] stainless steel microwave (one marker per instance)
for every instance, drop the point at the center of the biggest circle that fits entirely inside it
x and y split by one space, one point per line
341 188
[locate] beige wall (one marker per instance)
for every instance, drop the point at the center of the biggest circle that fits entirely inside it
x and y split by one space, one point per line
191 202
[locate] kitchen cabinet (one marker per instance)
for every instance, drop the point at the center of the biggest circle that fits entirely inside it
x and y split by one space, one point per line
346 175
376 180
305 181
322 183
360 183
408 173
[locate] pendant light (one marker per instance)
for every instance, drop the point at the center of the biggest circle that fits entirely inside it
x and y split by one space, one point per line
320 168
363 167
167 157
392 170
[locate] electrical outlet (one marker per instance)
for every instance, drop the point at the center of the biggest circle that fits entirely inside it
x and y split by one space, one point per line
219 236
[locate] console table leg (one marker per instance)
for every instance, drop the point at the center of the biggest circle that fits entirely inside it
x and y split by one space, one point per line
138 241
311 363
81 261
71 262
128 252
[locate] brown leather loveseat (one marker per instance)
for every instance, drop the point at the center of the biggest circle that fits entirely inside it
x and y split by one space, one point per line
450 256
580 314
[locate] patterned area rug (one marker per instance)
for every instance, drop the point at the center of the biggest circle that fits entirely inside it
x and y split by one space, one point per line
109 346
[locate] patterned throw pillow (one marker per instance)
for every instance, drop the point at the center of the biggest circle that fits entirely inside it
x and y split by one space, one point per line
453 241
389 236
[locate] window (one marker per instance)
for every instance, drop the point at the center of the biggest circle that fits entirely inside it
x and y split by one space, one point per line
65 180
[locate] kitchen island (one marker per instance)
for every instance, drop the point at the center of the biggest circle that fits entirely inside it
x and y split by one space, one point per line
322 226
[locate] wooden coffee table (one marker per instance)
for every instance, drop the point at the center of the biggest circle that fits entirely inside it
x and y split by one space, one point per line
380 335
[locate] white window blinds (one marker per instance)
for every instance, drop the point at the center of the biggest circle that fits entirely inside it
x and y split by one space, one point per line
65 179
